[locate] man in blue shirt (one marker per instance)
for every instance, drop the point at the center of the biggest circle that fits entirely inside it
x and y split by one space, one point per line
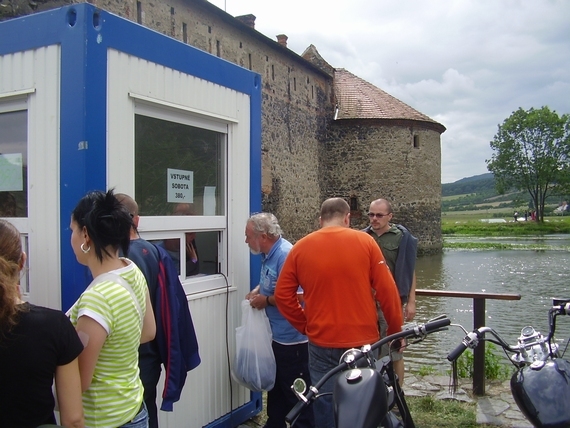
263 236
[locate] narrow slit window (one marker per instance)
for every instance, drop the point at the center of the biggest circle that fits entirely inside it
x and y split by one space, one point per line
416 141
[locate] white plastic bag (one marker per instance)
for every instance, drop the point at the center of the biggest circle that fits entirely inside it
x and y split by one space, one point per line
254 366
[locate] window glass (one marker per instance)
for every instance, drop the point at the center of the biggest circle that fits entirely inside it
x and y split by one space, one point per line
199 253
13 164
177 164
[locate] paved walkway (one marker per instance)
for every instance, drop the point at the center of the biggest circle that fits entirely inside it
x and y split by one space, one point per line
497 407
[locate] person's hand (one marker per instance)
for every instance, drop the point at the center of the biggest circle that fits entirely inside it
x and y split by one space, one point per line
410 311
259 301
249 296
399 345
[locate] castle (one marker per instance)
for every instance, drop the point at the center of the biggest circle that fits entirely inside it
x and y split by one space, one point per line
325 131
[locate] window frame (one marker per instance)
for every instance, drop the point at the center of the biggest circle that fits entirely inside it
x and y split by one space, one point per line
175 227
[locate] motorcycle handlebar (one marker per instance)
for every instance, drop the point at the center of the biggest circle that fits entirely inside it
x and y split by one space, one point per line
456 353
430 327
296 411
416 331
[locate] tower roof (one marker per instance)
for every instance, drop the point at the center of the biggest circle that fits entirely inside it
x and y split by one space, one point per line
358 99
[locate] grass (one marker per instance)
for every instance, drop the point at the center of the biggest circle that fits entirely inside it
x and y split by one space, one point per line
429 412
469 223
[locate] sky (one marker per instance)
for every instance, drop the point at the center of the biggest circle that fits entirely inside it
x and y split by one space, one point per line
468 64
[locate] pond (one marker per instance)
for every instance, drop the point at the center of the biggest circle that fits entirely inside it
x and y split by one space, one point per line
538 276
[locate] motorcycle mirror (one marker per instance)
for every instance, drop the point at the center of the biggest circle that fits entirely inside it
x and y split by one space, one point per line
299 386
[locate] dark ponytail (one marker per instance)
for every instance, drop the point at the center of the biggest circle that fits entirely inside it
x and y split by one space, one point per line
107 221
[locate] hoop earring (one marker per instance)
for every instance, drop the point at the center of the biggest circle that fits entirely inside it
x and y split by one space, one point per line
85 250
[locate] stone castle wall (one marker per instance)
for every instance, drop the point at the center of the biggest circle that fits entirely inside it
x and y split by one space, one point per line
371 161
306 156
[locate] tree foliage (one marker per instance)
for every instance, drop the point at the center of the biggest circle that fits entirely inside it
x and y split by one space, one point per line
532 154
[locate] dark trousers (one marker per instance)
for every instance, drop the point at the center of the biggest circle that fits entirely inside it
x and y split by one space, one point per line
292 362
150 374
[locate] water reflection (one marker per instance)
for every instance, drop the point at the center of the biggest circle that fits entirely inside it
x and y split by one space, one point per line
538 276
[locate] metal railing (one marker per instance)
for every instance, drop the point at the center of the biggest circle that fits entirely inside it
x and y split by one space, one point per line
478 321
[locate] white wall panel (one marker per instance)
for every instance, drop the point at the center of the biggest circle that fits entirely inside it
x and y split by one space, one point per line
36 73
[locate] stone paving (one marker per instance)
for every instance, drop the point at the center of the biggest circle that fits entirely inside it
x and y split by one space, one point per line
496 408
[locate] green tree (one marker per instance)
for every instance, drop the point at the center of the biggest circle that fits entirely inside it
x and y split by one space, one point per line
532 154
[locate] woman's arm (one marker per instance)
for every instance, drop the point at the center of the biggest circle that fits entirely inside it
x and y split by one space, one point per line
93 336
149 325
68 390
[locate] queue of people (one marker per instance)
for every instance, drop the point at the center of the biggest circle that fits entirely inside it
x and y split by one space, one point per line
335 289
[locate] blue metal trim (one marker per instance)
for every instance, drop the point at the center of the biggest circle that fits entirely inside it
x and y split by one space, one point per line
243 413
255 173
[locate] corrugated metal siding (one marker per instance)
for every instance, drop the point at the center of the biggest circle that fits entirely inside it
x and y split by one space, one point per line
38 72
206 395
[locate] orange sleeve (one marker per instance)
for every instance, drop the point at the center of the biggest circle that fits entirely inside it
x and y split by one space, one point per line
286 295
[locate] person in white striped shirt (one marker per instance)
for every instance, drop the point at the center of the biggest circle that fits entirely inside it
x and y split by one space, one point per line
112 316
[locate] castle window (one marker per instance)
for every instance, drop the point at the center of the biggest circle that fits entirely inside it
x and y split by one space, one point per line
272 72
184 32
218 48
240 45
209 29
139 12
416 141
294 83
249 60
353 203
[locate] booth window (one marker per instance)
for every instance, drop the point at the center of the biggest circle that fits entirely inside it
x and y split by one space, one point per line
13 163
14 172
180 172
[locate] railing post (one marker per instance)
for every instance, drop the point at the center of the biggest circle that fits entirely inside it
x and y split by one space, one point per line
478 321
479 351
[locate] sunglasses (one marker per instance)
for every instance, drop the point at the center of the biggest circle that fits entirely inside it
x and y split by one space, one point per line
372 215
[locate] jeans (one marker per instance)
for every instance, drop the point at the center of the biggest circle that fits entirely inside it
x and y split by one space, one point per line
292 362
139 421
149 365
322 360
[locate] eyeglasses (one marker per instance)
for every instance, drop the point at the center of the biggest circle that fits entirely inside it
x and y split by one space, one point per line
372 215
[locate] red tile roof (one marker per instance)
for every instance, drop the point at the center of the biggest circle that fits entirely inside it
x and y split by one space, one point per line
359 99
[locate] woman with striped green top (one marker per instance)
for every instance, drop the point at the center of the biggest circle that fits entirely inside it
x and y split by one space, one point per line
113 316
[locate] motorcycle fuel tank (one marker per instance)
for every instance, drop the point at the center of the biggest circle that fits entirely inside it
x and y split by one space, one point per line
360 399
542 392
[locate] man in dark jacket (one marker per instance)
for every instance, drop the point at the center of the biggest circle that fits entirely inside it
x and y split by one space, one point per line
164 286
399 248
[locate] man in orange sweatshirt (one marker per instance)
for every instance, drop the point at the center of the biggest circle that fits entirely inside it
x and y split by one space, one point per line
341 271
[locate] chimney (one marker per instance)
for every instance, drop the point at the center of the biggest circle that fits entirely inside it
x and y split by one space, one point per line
282 39
248 20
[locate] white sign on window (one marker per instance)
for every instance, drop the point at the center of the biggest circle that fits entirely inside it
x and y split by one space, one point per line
180 186
11 172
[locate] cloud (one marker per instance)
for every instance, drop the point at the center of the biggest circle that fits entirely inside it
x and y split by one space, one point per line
467 64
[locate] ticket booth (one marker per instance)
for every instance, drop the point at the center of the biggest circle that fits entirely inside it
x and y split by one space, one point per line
90 101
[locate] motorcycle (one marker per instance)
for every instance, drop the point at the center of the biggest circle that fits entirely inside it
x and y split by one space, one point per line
540 384
366 394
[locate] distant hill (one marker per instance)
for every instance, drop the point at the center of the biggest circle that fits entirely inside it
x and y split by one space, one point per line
482 183
478 193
